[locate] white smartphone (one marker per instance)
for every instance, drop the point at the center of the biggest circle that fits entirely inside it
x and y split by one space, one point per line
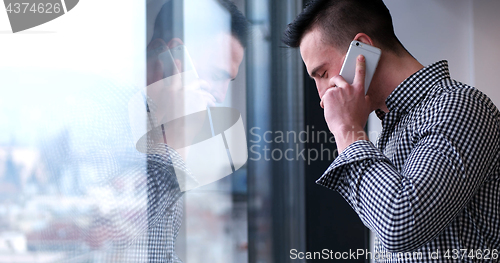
372 56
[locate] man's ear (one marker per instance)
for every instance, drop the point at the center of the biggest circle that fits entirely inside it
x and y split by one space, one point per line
156 68
362 37
174 42
157 43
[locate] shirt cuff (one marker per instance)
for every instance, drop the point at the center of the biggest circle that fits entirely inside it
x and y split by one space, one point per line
355 153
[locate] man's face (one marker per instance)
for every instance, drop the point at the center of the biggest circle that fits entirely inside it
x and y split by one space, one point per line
216 60
218 64
323 61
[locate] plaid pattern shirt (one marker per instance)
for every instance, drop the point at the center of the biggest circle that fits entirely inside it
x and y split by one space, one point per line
165 203
432 187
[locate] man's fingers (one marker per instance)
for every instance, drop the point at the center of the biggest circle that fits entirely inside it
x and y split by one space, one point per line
338 81
327 97
359 77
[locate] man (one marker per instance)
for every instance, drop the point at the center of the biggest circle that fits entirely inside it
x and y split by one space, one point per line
432 186
216 58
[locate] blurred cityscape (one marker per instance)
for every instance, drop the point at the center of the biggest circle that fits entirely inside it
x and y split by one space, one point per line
56 209
48 213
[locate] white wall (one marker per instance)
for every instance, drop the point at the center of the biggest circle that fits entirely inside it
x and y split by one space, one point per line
487 47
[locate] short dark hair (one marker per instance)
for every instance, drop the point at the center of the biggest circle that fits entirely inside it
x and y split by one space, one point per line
239 24
341 20
164 23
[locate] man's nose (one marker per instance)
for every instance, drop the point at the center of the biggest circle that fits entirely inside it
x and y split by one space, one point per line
322 87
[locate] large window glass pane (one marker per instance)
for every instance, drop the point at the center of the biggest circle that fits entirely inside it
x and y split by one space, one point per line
126 137
196 98
72 184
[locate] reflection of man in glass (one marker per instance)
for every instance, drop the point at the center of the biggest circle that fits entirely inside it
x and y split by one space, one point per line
217 52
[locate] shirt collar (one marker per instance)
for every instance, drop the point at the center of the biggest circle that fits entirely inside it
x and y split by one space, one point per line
416 87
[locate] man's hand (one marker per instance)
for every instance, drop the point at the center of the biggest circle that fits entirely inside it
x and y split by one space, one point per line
347 108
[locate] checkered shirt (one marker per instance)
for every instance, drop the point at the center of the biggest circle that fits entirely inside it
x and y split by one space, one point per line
433 184
165 205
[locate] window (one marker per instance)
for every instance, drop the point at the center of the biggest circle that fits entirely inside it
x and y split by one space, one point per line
162 131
